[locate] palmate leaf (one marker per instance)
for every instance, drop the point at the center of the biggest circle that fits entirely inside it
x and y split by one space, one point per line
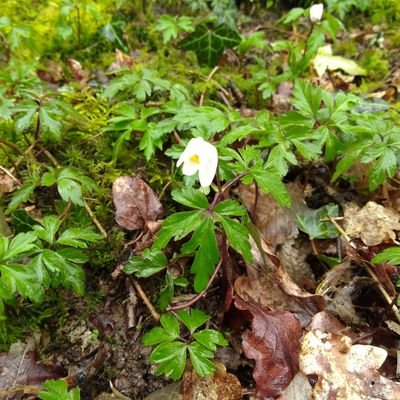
56 390
209 43
204 244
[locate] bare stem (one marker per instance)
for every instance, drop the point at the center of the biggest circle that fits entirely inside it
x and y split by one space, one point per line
200 295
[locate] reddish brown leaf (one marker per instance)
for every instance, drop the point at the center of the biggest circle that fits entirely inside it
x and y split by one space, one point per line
274 344
20 367
137 206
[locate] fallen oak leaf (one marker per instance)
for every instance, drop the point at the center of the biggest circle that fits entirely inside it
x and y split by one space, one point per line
274 344
137 206
345 371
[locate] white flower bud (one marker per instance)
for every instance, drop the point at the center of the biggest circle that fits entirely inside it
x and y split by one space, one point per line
316 12
199 156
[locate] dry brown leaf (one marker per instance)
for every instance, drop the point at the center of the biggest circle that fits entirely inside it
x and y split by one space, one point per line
137 206
20 367
373 223
276 223
345 371
220 386
274 344
271 287
7 184
299 389
122 60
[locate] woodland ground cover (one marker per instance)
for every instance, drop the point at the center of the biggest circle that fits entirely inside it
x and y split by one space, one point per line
199 198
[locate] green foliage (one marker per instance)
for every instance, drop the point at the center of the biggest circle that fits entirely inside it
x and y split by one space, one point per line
209 43
57 390
343 7
390 255
42 258
170 26
316 223
171 351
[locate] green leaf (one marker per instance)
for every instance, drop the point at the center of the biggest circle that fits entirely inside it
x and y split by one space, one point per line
191 198
306 98
28 111
209 43
74 277
57 390
238 237
210 338
20 244
78 237
293 15
200 358
207 254
385 166
148 263
230 208
270 181
22 221
21 278
41 271
76 256
172 359
70 190
48 229
48 123
20 196
316 225
169 332
193 318
390 255
177 226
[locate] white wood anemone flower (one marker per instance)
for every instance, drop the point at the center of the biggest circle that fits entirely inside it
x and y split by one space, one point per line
316 12
202 157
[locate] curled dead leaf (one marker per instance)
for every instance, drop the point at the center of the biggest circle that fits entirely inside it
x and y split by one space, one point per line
273 343
345 371
137 206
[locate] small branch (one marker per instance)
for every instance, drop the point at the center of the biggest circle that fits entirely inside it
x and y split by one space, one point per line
7 172
145 299
95 220
200 295
131 305
255 201
209 77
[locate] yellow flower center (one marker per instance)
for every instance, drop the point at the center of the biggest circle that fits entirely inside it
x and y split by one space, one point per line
195 158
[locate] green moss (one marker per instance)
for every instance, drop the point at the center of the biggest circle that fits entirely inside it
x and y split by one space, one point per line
375 62
385 11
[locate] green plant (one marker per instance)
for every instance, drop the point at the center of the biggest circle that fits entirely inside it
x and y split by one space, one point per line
173 345
57 390
42 258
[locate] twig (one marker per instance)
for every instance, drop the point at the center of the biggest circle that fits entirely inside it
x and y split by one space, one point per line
95 220
210 75
200 295
131 305
145 299
7 172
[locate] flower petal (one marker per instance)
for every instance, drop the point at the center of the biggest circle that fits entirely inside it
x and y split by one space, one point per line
208 164
190 168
